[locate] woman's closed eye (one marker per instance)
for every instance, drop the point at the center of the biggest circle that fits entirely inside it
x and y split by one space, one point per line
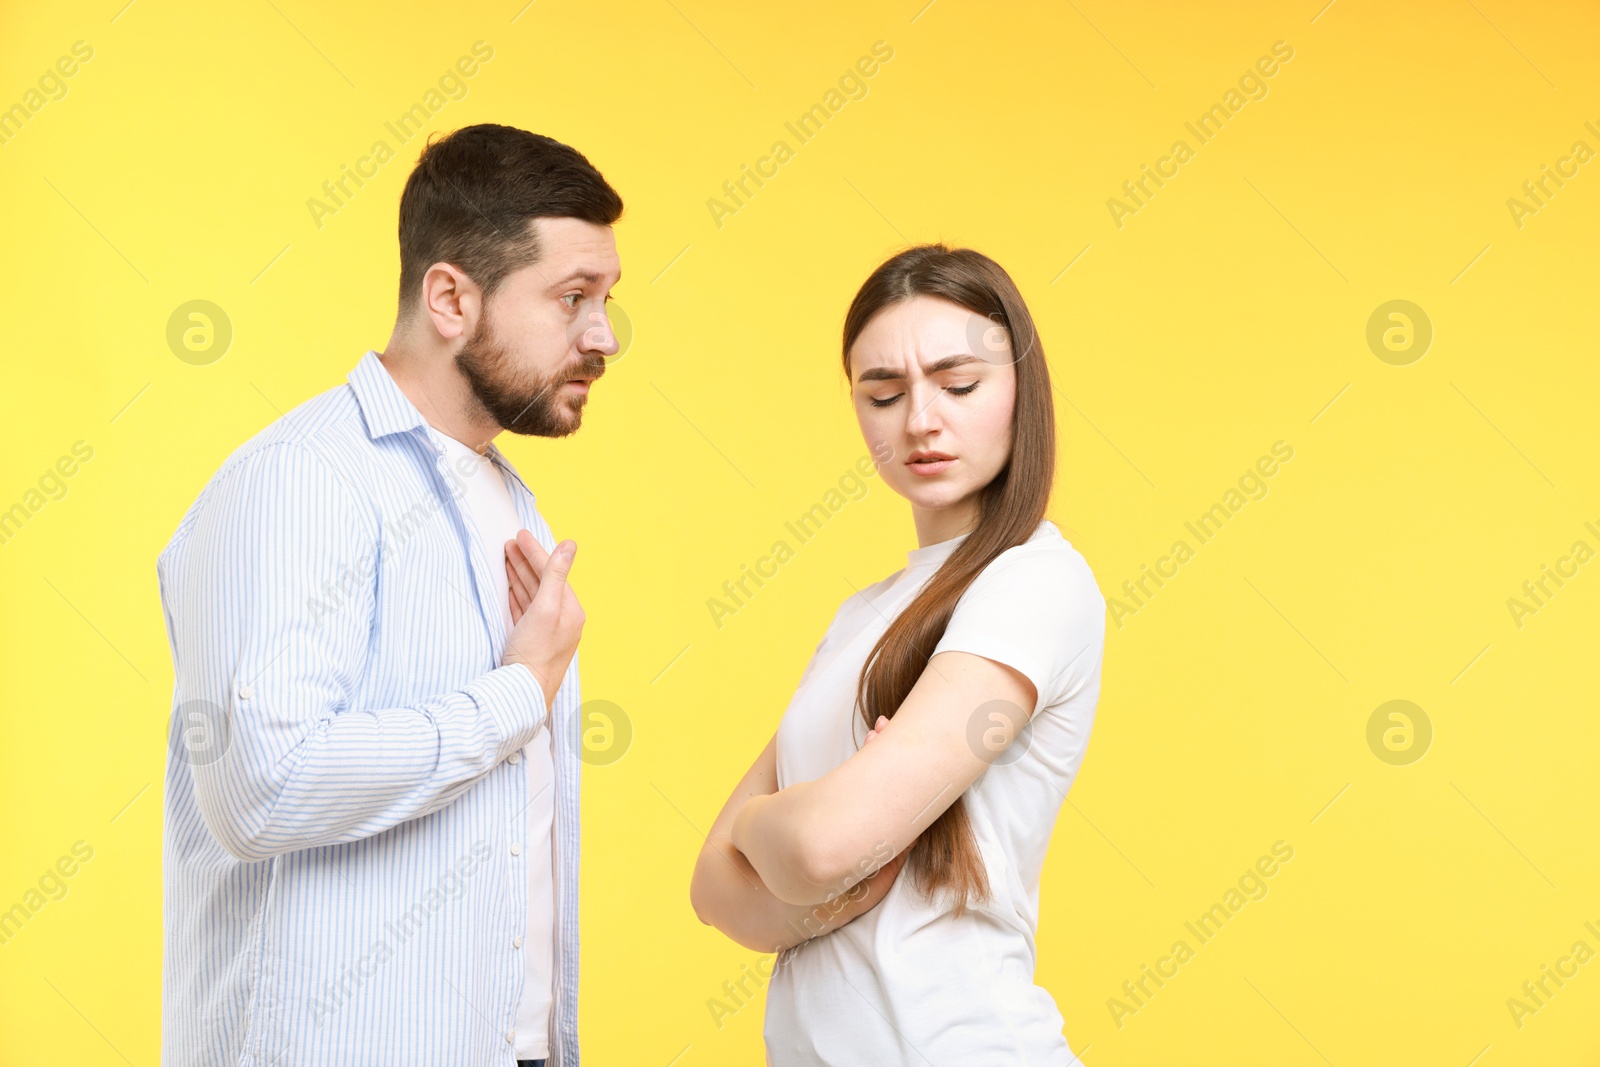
958 390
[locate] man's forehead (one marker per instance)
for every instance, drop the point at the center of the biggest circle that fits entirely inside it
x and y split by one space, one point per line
560 236
574 250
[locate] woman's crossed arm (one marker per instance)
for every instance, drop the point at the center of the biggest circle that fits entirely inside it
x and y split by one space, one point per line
728 893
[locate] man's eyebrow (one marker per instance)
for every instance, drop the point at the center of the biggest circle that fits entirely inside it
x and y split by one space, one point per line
892 374
581 275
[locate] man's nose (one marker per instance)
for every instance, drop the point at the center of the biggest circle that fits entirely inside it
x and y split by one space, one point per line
599 337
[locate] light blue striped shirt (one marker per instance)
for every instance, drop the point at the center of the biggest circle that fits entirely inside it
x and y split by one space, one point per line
344 862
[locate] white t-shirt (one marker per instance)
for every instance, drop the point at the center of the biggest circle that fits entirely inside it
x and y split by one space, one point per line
908 983
487 503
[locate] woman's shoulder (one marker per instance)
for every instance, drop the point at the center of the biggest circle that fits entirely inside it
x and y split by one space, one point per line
861 600
1046 563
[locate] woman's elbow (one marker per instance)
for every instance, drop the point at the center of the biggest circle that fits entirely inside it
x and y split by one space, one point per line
820 866
702 895
815 875
697 902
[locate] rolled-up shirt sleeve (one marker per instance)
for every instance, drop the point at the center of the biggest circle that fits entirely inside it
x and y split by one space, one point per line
271 634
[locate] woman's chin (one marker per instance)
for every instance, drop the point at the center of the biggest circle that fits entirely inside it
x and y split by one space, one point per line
934 497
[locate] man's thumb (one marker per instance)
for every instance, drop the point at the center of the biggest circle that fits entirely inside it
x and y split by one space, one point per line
561 560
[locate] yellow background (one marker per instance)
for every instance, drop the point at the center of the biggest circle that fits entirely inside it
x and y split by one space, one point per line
1228 313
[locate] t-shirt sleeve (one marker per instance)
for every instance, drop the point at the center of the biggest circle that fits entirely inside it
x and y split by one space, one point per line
1037 610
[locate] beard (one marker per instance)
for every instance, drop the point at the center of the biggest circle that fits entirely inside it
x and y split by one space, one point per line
524 403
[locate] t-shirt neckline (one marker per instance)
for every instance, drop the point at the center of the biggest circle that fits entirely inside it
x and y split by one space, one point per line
934 554
458 447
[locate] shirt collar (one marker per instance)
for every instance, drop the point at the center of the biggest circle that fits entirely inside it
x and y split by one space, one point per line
387 410
384 406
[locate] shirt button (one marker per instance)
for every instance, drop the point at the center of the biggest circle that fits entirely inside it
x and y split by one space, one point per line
511 1037
516 942
515 757
246 692
516 849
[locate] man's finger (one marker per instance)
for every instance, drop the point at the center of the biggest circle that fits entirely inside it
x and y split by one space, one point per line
521 594
553 578
521 591
535 552
524 571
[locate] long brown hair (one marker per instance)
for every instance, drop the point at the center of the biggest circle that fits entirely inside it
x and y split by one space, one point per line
1010 509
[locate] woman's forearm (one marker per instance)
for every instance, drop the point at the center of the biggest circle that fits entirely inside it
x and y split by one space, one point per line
773 834
729 894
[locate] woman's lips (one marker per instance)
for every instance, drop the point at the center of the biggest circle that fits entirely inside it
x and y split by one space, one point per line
929 468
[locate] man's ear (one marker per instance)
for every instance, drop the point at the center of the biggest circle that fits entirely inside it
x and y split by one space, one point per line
452 301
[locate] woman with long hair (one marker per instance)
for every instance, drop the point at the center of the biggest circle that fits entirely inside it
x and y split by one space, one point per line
941 720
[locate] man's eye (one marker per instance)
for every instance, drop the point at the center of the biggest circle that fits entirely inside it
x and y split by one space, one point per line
574 297
886 401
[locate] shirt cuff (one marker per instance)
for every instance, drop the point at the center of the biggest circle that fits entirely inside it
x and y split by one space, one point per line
515 701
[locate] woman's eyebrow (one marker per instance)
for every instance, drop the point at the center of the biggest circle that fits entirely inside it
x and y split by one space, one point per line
891 374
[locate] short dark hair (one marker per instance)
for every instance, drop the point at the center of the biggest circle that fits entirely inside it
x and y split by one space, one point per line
473 194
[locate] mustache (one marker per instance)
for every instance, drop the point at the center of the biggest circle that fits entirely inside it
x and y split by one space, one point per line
590 366
587 367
